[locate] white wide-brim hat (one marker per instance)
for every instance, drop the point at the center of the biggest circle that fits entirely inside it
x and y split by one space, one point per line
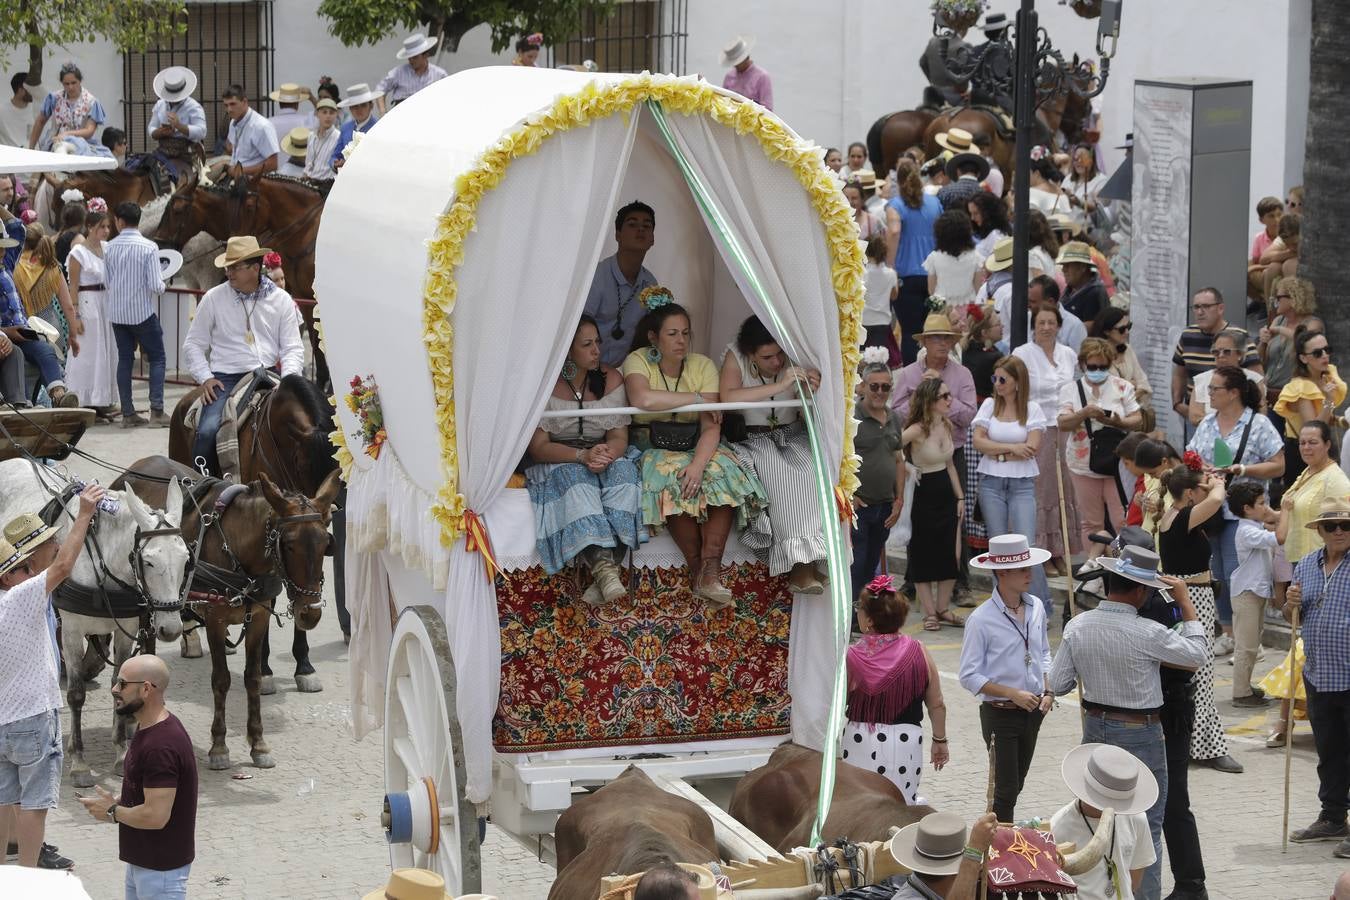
738 51
1109 777
414 44
175 83
170 261
1139 564
1010 551
934 845
360 93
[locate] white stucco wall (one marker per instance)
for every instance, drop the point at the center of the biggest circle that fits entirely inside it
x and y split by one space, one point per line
838 66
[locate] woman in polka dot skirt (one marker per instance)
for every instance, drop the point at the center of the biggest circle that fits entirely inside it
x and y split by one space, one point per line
891 678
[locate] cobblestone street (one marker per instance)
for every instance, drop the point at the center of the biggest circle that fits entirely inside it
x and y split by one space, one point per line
309 828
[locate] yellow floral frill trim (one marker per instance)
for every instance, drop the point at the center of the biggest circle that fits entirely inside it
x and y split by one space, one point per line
686 96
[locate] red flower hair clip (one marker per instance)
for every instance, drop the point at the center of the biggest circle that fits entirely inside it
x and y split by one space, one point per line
882 584
1191 460
974 312
272 260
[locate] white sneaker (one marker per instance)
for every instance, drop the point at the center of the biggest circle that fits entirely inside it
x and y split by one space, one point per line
1223 645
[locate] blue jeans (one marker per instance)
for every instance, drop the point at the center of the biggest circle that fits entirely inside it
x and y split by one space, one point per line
1222 563
1147 744
1009 507
43 355
208 423
151 338
869 542
152 884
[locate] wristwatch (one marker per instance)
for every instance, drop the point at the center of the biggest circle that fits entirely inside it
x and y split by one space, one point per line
112 813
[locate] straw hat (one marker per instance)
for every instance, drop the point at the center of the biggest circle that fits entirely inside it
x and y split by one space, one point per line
1064 222
957 140
865 179
326 103
23 535
238 249
1139 564
933 845
1002 257
1075 252
1010 551
937 325
1332 509
994 23
290 93
411 884
415 45
296 141
6 242
1109 777
360 93
175 83
738 51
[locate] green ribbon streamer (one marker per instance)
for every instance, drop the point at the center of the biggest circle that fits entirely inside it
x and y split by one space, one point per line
834 537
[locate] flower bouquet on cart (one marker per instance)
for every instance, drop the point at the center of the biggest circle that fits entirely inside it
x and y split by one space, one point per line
364 402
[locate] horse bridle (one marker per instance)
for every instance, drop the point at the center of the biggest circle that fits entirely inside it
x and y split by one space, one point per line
137 559
276 550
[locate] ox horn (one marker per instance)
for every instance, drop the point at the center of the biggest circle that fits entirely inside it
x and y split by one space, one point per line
1080 861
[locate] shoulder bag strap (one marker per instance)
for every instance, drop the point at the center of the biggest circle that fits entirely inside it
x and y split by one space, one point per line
1246 432
1082 395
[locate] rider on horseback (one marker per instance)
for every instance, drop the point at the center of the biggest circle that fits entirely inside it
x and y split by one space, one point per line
946 47
177 122
244 325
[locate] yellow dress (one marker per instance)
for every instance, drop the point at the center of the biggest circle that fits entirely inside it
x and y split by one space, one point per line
1276 683
1300 388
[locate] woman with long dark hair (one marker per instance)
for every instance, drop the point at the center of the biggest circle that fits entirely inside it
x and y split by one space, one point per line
584 483
939 502
954 266
910 217
1311 395
1114 325
989 221
692 484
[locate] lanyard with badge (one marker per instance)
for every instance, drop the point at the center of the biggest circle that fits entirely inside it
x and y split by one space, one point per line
1112 870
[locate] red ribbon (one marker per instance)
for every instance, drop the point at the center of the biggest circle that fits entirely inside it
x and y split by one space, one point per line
476 540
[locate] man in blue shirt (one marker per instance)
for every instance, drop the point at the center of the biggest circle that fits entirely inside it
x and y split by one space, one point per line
613 298
1320 593
361 101
1005 658
252 140
178 122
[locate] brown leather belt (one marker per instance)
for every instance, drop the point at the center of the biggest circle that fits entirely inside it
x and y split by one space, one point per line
1120 715
1003 704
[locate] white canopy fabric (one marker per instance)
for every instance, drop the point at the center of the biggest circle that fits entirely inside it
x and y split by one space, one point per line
21 160
522 284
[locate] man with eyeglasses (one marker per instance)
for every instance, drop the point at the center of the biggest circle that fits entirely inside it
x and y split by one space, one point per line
1195 350
33 563
1320 593
157 810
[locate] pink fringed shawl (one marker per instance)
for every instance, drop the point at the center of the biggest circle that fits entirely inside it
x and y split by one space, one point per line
886 673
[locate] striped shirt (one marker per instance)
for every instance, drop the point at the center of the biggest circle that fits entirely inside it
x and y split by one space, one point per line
1195 350
132 273
319 154
1116 652
253 140
1324 611
402 82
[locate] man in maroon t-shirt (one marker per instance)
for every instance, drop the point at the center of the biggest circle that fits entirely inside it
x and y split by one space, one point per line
157 811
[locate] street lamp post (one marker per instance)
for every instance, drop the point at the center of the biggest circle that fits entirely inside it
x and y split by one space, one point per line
1024 119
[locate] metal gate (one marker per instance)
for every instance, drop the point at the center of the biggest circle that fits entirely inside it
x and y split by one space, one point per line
225 44
638 35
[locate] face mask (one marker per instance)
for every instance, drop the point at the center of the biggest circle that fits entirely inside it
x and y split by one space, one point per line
1097 377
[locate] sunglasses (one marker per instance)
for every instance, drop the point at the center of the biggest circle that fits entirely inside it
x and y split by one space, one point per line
1000 379
1125 328
122 682
1319 352
1329 527
1096 367
879 388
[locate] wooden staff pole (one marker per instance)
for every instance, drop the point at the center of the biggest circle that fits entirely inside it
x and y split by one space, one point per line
1064 529
1295 671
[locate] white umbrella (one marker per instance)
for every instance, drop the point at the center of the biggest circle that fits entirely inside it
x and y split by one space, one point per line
15 160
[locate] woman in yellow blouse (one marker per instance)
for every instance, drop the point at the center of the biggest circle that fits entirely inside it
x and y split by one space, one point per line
691 483
1321 478
1311 395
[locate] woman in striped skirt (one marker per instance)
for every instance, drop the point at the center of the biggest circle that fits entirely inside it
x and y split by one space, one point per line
790 538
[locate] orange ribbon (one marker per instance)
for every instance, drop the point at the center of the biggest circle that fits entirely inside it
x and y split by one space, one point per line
843 505
476 540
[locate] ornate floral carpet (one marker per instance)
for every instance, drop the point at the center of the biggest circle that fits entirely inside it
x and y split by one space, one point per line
657 667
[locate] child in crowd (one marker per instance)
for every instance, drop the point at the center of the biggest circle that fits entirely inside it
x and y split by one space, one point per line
1252 584
115 139
880 286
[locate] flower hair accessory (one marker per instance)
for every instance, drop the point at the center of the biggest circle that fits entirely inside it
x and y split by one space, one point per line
98 205
882 584
654 297
272 260
1191 460
875 356
535 40
974 312
935 304
1039 152
28 217
72 195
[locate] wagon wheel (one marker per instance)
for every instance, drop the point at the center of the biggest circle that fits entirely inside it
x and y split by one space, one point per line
428 822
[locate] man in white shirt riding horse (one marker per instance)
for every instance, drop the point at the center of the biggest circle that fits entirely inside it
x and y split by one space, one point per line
241 326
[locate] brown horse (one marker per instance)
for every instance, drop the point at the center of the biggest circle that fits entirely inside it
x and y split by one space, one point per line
253 540
286 439
894 133
282 212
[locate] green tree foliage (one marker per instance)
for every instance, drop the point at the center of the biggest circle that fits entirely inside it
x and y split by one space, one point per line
130 24
359 22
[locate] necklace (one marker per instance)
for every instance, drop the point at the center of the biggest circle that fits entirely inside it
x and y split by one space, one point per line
580 397
773 412
1110 858
617 331
1025 636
